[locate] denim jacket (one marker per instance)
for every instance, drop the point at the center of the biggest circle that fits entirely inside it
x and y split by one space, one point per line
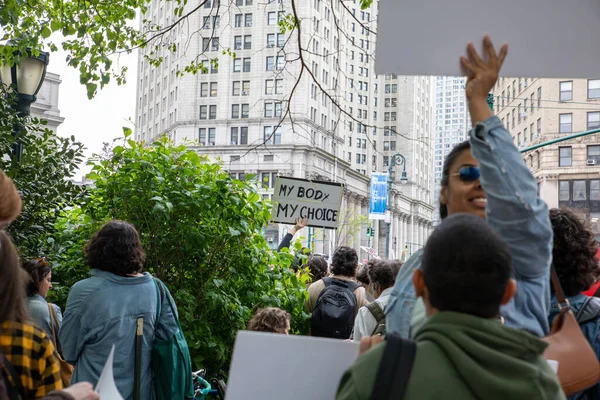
517 213
37 307
591 330
102 311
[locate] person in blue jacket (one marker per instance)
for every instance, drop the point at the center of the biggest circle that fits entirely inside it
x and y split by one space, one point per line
487 176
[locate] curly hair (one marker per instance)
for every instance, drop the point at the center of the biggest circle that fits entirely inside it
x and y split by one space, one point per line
37 270
116 248
384 272
10 201
318 267
12 282
345 262
363 274
270 319
574 252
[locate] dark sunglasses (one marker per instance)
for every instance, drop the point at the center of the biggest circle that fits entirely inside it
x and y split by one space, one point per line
468 174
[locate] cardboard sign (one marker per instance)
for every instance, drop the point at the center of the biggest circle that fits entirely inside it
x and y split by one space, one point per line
276 366
295 198
546 38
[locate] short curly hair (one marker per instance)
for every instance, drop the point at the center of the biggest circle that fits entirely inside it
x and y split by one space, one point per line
318 267
384 272
363 274
116 248
345 262
37 270
270 319
574 252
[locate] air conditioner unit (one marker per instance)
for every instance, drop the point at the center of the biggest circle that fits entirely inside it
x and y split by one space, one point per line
270 45
591 162
523 115
244 93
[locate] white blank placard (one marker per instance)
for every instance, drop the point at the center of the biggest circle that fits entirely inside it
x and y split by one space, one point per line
547 38
276 366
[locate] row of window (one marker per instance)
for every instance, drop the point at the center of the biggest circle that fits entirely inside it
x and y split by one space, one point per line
566 121
243 42
241 88
239 135
565 155
566 90
579 190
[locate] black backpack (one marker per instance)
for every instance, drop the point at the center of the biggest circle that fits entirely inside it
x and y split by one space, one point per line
335 311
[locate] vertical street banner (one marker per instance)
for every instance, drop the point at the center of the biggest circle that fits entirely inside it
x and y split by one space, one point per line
378 203
295 198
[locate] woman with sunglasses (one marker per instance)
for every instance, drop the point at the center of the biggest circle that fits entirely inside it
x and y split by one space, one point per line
46 316
487 177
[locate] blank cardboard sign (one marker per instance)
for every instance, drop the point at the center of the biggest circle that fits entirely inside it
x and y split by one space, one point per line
274 366
546 38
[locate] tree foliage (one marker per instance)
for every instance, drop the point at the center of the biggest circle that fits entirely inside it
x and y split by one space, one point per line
201 231
42 176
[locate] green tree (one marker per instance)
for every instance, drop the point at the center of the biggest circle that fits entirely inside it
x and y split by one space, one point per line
201 231
42 176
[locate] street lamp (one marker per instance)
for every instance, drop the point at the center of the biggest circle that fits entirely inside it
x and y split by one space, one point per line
26 79
396 159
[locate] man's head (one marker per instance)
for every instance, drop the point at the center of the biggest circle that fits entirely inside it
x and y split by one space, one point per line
345 262
466 268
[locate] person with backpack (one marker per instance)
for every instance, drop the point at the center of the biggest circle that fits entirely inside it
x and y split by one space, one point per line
105 310
464 351
335 300
573 258
370 320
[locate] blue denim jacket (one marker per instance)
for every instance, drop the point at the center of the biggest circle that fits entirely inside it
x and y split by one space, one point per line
516 212
39 314
102 311
591 330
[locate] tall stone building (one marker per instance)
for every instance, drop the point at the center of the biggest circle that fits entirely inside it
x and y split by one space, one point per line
46 105
234 112
539 110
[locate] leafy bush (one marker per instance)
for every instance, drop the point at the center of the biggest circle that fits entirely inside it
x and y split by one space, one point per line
201 231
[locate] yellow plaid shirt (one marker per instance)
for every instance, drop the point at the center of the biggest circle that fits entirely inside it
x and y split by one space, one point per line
33 357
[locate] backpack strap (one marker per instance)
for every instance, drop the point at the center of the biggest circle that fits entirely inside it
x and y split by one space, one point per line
377 312
14 389
589 311
395 368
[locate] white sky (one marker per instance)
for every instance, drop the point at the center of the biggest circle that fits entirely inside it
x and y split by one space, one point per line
101 119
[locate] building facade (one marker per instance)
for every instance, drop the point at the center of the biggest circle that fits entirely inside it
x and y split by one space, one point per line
452 124
264 110
46 105
538 110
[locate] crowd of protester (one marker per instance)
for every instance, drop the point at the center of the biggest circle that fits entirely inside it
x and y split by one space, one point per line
466 317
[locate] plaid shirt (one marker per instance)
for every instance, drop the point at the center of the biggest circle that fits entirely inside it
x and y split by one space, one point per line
33 357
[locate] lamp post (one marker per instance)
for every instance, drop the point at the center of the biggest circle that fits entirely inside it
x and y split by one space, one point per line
396 159
26 79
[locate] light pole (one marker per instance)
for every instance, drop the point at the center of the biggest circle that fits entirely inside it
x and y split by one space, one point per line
396 159
26 79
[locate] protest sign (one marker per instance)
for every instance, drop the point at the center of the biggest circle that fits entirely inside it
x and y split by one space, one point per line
378 201
276 366
547 38
295 198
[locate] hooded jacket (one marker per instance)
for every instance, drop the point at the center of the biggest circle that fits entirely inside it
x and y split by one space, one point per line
460 356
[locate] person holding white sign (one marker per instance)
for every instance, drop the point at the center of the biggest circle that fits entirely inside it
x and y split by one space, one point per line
487 177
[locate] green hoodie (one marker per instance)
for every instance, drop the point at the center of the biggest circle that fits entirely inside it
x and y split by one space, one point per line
460 356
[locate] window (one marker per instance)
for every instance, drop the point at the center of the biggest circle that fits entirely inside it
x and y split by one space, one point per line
245 88
202 136
281 63
595 190
566 123
566 91
539 126
248 20
272 18
593 152
237 42
280 39
393 145
247 64
235 111
270 63
203 112
565 156
271 137
272 110
237 65
564 192
238 20
204 90
211 136
593 120
236 88
531 131
212 112
271 40
579 191
245 110
239 135
213 89
386 146
594 89
539 97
